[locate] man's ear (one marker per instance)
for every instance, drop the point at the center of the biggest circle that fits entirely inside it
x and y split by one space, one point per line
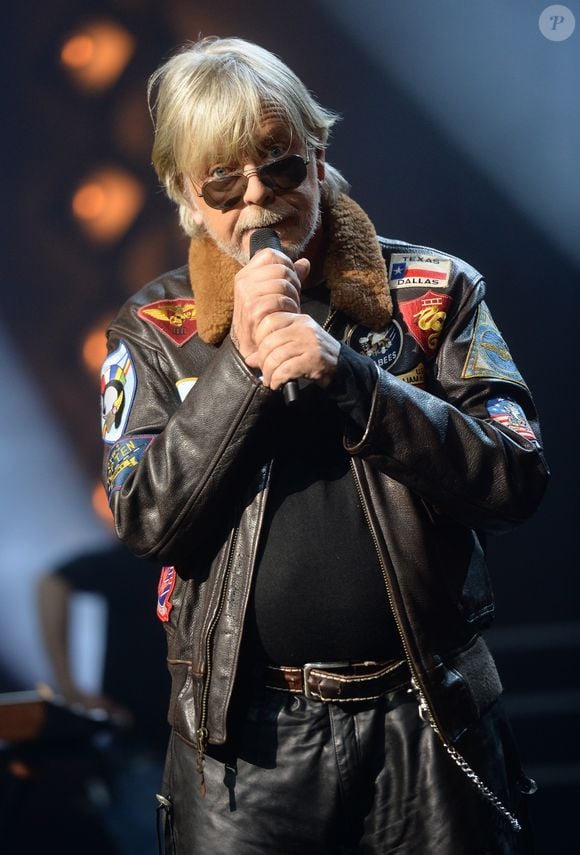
320 157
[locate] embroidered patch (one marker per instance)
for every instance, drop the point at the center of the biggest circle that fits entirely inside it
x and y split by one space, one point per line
124 457
164 591
118 384
175 318
416 271
383 347
425 318
185 386
416 377
488 353
510 414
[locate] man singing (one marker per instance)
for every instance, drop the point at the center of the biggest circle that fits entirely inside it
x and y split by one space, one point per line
314 428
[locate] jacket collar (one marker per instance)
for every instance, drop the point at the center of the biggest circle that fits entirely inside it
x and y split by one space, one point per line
354 271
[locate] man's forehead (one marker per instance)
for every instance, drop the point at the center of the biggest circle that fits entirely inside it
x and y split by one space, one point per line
273 128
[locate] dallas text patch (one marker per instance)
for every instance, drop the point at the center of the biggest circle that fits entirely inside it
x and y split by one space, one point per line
416 271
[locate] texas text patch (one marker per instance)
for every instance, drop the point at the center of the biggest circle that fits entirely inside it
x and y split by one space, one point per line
175 318
416 271
124 457
488 353
118 384
510 414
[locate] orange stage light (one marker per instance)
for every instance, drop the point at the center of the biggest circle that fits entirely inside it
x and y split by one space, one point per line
94 348
106 203
97 54
100 504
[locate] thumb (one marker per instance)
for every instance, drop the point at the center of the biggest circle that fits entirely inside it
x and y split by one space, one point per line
302 268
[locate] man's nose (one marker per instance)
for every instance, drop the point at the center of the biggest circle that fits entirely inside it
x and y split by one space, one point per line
257 193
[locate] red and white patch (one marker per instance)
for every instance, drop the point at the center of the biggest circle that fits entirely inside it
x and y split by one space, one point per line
164 591
425 317
175 318
416 271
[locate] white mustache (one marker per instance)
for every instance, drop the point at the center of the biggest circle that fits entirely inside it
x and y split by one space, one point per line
263 219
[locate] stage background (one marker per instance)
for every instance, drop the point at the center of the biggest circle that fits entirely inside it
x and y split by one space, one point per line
460 130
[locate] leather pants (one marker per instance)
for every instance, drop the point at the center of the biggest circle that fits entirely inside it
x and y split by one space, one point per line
305 777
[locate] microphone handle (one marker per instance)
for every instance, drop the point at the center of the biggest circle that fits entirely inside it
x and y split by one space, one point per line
268 239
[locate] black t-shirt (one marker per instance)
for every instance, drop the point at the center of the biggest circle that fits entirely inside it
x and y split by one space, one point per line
319 592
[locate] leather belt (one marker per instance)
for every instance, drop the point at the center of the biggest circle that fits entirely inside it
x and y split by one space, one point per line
339 682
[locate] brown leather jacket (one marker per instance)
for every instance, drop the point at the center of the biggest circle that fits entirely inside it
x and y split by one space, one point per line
451 450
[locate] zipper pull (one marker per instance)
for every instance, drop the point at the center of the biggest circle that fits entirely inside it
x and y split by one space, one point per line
201 735
423 708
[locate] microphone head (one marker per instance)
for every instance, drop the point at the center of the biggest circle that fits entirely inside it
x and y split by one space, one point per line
263 239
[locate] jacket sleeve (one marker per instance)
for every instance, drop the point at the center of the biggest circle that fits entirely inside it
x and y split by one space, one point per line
170 467
470 446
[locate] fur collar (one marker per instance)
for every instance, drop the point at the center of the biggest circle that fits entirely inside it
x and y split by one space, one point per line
354 271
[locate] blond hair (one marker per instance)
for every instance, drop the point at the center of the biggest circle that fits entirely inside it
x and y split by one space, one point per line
209 99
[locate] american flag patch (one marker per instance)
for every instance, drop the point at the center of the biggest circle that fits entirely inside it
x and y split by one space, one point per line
412 271
510 415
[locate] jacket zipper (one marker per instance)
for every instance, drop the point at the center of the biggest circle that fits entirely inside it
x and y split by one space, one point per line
201 733
398 623
426 710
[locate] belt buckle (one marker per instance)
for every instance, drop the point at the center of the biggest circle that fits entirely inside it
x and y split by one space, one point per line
320 666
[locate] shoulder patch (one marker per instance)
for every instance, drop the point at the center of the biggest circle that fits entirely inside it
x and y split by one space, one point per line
511 415
184 386
124 457
164 591
419 271
175 318
425 317
118 384
488 353
383 347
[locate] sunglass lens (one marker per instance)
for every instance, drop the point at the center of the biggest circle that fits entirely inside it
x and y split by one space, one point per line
224 193
285 174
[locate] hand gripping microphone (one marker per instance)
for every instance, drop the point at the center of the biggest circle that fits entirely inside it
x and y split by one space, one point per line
268 239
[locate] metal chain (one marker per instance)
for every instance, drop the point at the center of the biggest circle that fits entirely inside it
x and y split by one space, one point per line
461 762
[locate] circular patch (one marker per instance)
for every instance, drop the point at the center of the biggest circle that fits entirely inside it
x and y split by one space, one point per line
383 347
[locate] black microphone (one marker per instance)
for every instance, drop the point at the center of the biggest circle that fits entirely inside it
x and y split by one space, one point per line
268 239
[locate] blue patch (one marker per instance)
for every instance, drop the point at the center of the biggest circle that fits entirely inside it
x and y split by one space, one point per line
509 414
118 385
383 347
124 457
488 353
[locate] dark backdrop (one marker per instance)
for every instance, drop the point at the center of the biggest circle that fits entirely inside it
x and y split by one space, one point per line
417 180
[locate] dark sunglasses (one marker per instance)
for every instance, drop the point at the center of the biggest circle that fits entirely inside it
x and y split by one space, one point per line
280 175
